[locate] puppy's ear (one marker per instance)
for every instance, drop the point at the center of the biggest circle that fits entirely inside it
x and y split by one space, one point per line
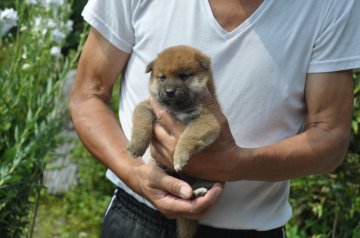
203 60
149 67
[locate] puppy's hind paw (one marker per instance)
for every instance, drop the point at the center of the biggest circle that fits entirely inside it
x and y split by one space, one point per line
199 192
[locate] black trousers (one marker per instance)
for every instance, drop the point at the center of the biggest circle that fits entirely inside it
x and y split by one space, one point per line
128 218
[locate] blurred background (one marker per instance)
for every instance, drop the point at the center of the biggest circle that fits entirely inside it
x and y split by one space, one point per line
51 187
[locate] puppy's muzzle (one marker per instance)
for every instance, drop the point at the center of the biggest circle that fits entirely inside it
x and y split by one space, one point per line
169 92
172 91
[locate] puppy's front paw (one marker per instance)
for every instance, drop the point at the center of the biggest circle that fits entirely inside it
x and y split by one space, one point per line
180 160
136 149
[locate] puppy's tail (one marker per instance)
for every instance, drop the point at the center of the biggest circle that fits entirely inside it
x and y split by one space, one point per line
186 228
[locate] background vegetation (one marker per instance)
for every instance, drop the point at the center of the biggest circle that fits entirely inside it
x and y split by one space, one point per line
31 69
32 113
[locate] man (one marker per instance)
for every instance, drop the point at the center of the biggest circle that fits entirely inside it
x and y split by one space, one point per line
283 72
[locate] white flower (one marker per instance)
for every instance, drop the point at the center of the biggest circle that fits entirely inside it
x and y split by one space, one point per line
40 27
44 31
8 19
26 66
37 23
55 51
51 23
69 25
58 35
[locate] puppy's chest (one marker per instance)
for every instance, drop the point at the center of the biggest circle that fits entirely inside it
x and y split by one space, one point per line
186 117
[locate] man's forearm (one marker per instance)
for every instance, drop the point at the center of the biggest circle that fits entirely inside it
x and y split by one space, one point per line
101 134
312 152
316 150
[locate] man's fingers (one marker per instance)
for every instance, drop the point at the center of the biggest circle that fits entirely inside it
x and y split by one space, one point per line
172 125
212 104
216 189
162 146
160 154
209 100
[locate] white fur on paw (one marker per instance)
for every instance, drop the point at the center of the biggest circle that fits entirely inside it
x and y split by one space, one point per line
180 160
179 165
199 192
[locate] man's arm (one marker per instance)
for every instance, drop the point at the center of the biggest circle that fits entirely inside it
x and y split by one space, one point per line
97 127
99 65
320 148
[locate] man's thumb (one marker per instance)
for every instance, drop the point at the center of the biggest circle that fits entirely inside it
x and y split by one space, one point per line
177 187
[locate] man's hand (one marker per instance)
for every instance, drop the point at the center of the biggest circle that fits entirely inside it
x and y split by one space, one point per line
171 196
213 163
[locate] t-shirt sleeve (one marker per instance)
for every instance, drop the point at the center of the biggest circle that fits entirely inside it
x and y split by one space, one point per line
337 46
112 19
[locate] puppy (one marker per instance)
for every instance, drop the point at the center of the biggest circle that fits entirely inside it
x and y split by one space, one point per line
180 76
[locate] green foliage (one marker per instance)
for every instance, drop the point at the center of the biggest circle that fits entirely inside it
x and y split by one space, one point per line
73 38
328 205
6 3
355 143
31 108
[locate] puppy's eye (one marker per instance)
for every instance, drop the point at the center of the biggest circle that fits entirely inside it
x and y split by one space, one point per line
184 76
162 77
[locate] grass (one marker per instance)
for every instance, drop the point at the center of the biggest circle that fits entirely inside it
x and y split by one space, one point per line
78 212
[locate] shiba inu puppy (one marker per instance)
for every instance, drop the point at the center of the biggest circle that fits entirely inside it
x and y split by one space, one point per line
180 77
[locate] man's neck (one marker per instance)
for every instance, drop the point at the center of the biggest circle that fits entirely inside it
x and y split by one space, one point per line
232 13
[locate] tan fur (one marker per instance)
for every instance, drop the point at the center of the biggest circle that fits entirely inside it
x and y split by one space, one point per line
179 78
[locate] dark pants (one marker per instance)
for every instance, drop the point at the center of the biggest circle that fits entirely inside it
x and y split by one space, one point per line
128 218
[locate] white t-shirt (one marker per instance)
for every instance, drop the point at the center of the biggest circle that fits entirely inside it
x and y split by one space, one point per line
259 69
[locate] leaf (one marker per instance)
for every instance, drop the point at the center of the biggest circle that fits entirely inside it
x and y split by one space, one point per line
9 154
5 126
29 116
49 87
4 171
17 134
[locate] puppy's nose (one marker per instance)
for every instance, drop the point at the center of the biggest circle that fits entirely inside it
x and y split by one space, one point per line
170 92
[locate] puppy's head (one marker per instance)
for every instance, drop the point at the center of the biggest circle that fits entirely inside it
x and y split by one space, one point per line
179 76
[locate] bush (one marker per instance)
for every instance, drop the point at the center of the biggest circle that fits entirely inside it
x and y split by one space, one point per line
32 73
328 205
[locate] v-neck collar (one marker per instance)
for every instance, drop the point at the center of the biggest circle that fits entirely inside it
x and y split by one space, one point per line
243 26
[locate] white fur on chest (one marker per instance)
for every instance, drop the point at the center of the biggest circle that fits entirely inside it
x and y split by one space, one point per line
183 116
186 116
